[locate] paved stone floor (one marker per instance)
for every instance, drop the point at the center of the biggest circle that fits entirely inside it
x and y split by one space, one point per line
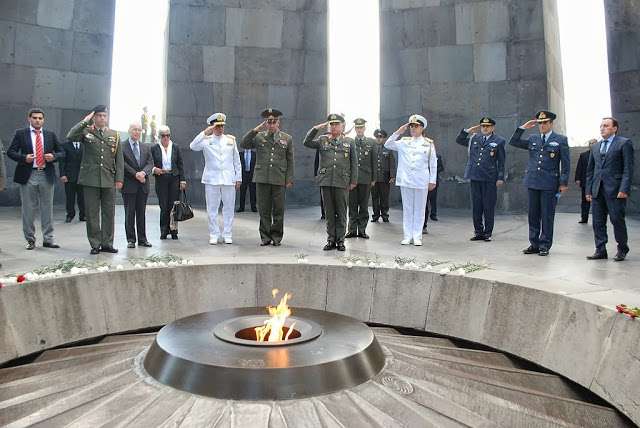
448 239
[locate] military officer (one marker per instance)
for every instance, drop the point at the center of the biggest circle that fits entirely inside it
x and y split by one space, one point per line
546 177
367 173
101 172
485 169
273 172
337 174
386 166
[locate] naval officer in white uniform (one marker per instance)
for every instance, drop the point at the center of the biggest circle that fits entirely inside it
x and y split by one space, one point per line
416 175
222 174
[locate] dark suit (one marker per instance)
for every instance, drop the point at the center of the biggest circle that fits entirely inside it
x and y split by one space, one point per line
432 196
247 180
547 170
581 175
36 184
70 167
135 193
608 174
167 185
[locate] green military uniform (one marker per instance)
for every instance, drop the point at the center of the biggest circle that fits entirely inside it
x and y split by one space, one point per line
386 170
3 170
274 168
338 168
359 196
144 121
101 167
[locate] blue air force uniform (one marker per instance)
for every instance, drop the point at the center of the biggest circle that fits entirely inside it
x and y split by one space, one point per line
485 168
547 170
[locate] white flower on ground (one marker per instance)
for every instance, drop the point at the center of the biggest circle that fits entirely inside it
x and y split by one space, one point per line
358 263
161 264
349 265
301 261
119 267
372 265
59 272
444 270
138 265
102 268
461 272
306 261
428 268
382 265
75 270
184 261
396 265
190 262
149 264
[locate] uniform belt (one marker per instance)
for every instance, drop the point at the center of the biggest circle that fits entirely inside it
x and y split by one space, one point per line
39 168
166 171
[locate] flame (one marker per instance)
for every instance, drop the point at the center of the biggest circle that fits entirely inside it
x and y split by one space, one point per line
273 326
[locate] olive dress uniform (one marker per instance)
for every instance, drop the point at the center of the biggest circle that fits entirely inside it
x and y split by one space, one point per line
274 168
359 196
337 170
101 167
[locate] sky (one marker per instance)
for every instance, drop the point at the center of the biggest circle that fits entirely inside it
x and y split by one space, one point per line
139 60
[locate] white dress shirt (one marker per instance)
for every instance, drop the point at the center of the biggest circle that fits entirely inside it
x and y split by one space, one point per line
222 165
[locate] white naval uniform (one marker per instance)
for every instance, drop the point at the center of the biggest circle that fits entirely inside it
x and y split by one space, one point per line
222 169
417 168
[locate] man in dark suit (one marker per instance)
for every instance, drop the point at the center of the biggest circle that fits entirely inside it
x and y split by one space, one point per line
546 178
35 149
69 170
135 187
581 180
432 197
609 177
248 160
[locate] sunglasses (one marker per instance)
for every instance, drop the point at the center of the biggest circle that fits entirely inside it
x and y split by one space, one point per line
272 120
165 135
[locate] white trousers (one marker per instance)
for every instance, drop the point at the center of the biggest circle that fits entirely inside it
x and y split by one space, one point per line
213 196
413 204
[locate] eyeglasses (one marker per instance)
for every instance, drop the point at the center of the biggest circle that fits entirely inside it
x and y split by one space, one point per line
165 135
272 120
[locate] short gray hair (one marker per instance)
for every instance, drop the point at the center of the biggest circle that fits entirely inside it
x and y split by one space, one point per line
163 129
132 124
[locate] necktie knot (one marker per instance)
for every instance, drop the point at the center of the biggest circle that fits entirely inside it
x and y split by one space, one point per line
37 131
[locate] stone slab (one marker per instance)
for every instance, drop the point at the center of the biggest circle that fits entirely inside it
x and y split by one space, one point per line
7 41
350 291
399 102
92 53
284 99
25 11
94 17
503 101
54 88
525 60
526 18
56 13
91 90
218 64
315 31
312 104
438 25
490 62
254 27
306 283
197 25
451 64
200 289
482 22
407 4
8 349
20 91
315 69
401 297
261 65
293 26
43 47
409 67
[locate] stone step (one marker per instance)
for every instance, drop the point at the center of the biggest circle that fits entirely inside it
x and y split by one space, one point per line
384 330
80 351
138 337
426 341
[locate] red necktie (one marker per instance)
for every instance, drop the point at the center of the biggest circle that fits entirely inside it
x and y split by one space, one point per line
39 149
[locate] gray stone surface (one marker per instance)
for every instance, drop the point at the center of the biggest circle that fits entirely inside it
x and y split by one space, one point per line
407 4
90 90
259 65
43 47
350 291
306 283
490 62
218 63
88 53
7 41
254 27
94 17
24 11
197 25
54 88
451 64
284 98
401 297
482 22
55 13
20 91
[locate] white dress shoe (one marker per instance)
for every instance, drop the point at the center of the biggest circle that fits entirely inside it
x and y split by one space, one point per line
213 241
228 241
405 242
417 242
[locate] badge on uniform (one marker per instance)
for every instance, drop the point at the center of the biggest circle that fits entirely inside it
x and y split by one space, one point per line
113 149
283 142
346 155
493 144
533 144
229 144
366 153
112 139
553 155
346 144
554 144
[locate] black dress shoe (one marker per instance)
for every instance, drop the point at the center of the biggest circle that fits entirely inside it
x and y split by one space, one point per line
255 210
108 250
477 238
598 256
543 252
174 235
487 239
350 235
30 245
363 235
340 246
276 243
83 219
330 246
582 221
531 250
50 245
374 219
131 245
240 210
94 251
68 219
163 236
145 244
620 257
265 243
386 220
322 217
434 218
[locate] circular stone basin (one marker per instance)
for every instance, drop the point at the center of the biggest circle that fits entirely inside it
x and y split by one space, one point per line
201 354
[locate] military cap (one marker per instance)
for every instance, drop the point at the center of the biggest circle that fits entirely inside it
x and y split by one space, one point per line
359 122
420 120
545 116
217 119
100 108
333 118
487 121
271 113
380 133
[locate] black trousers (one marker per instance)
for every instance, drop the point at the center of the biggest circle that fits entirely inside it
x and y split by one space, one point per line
247 183
380 200
135 207
584 206
73 190
167 189
432 202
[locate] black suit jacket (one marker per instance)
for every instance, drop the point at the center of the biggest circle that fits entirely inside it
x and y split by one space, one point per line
177 168
615 172
581 168
70 165
131 167
252 163
21 146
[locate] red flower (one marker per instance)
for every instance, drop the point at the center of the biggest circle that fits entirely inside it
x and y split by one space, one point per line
0 285
632 314
20 278
619 309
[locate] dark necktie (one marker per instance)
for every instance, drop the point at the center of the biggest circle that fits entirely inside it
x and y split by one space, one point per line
484 140
101 134
544 140
604 147
136 152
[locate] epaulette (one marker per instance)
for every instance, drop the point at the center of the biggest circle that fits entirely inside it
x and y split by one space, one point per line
233 137
428 139
407 138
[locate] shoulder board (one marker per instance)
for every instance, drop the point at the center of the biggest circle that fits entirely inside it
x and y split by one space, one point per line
406 138
233 137
428 139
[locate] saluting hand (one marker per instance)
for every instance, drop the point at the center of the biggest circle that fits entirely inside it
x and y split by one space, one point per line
259 127
402 129
88 117
530 124
473 129
209 130
320 126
